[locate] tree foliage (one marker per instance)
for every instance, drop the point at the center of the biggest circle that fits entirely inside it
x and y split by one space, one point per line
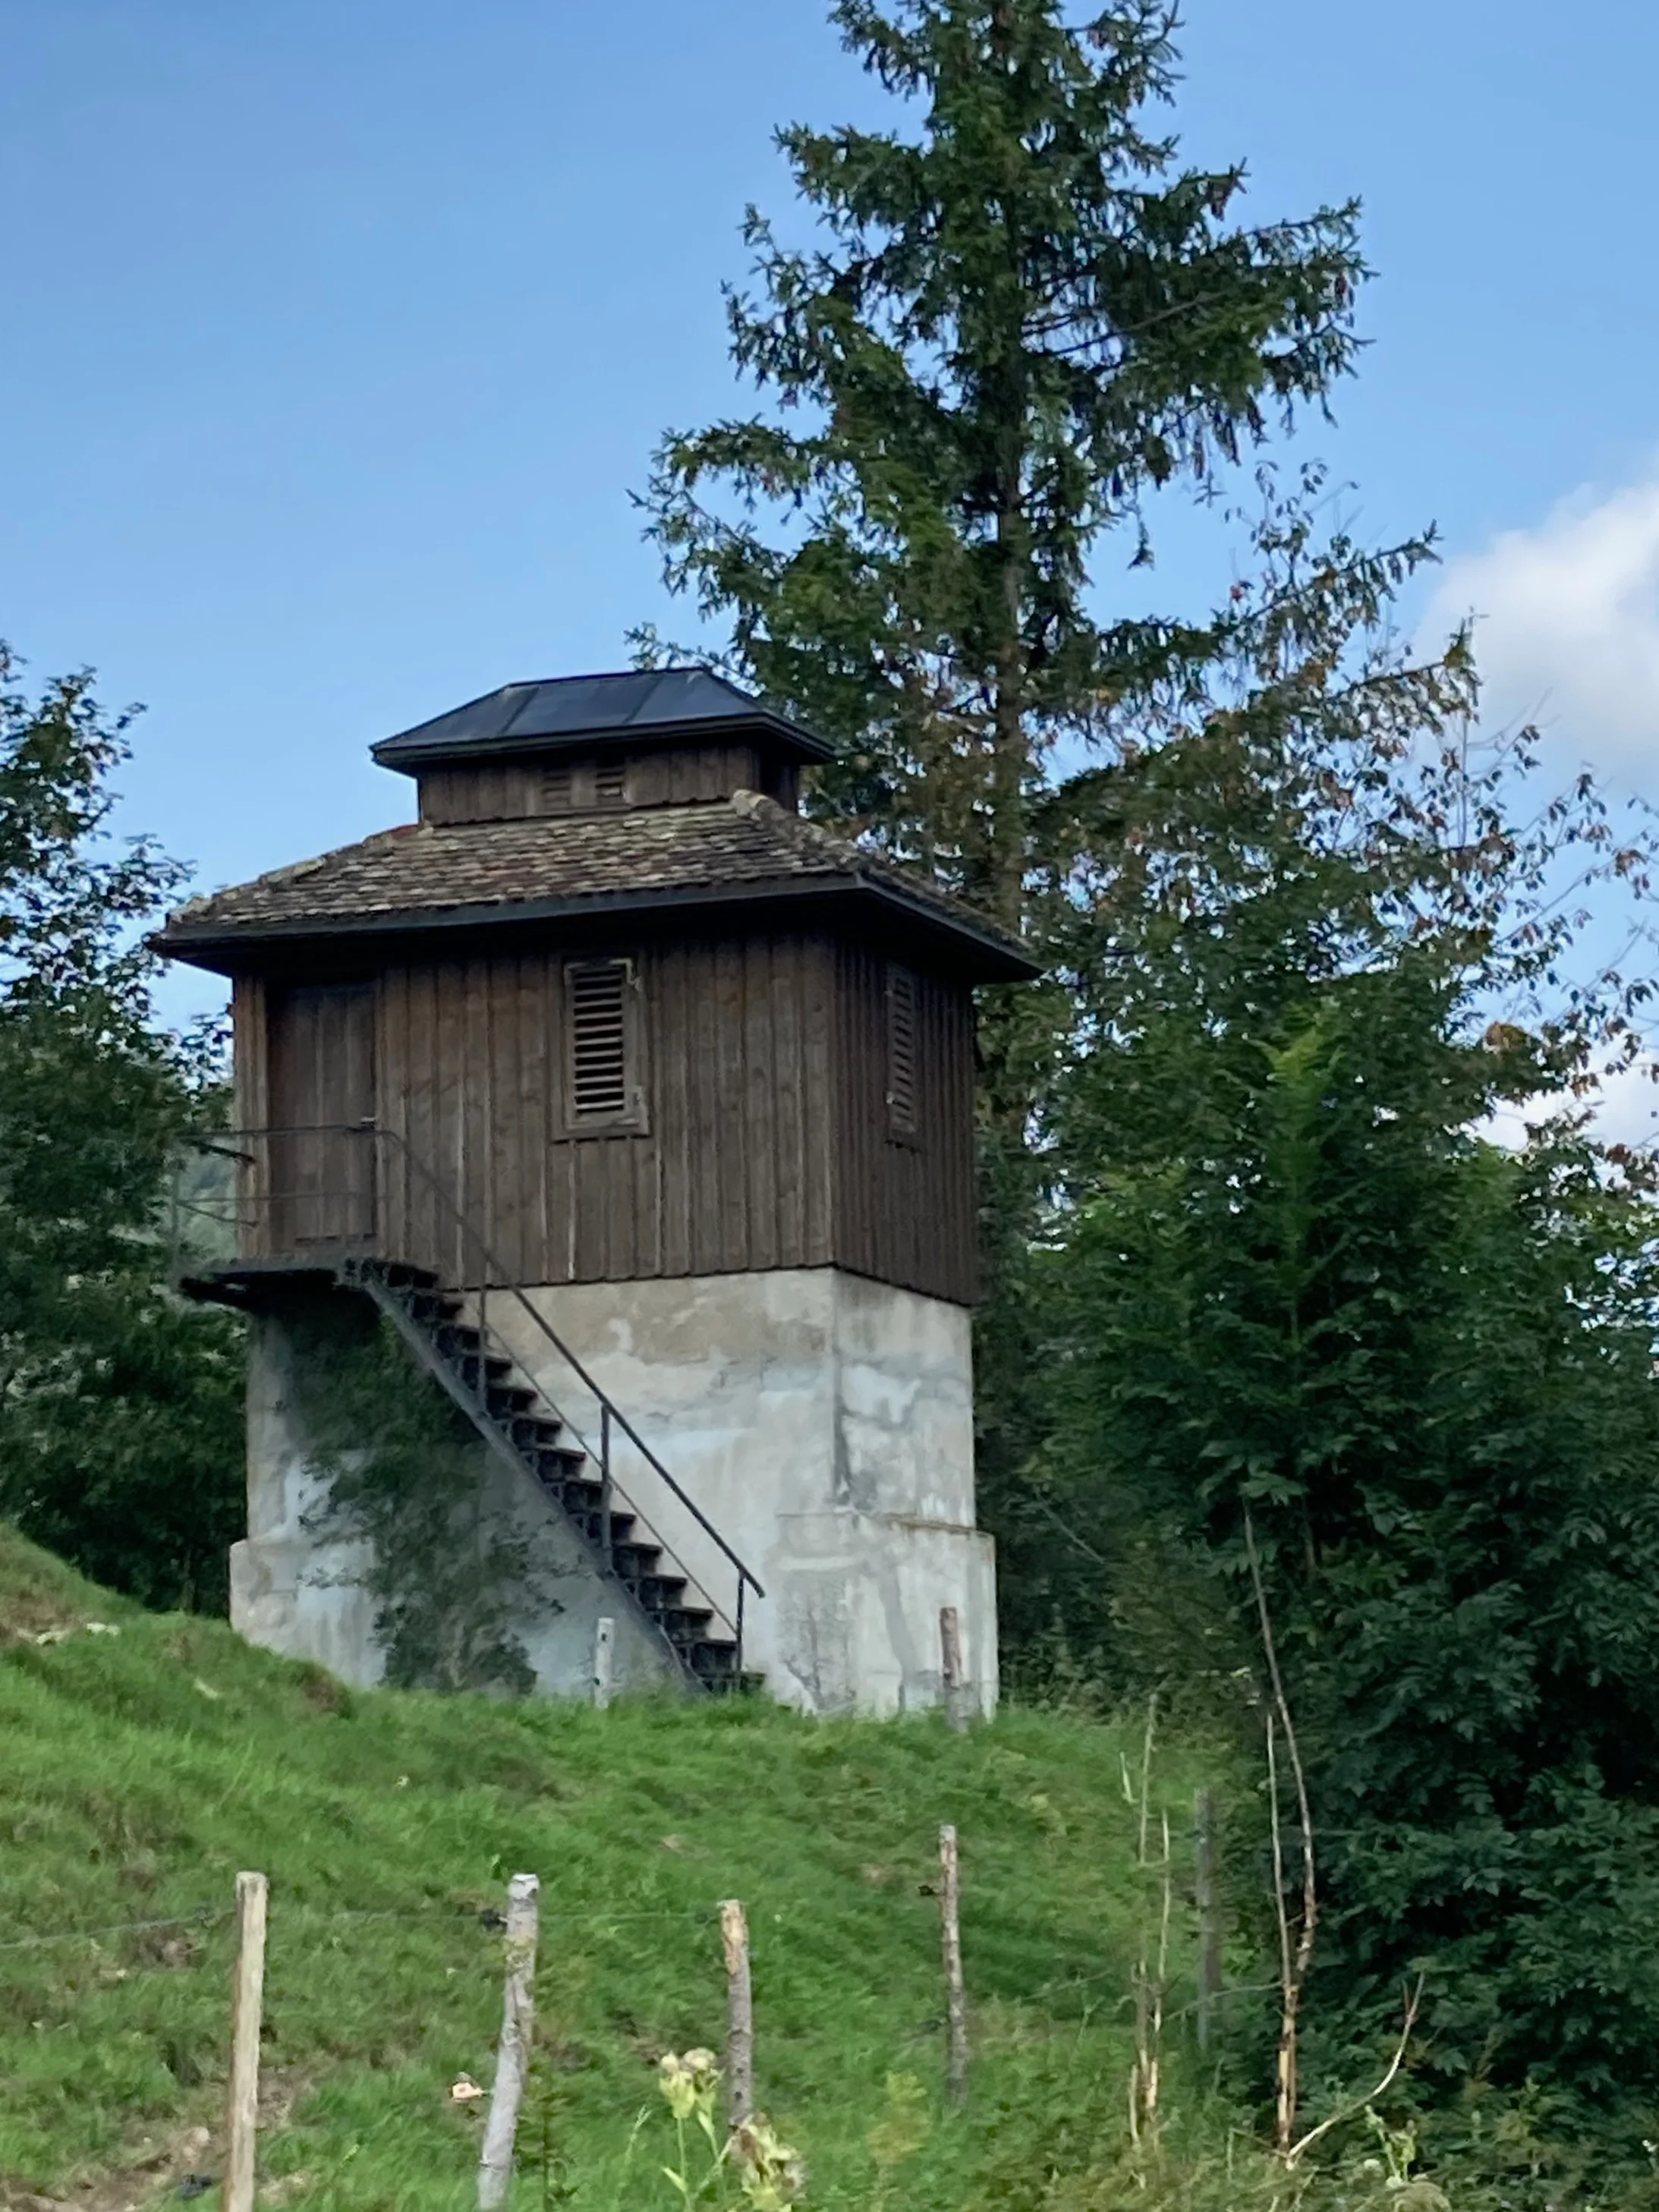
453 1574
1304 945
1024 319
119 1416
1293 1275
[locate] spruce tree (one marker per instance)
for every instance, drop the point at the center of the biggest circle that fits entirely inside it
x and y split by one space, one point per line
1024 318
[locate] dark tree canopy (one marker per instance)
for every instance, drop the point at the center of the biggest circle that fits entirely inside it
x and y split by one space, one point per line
120 1418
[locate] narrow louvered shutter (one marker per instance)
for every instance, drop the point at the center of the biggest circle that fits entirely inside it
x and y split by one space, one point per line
610 783
601 1078
556 789
901 1052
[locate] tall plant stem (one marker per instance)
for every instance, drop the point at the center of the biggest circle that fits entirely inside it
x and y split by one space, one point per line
1293 1964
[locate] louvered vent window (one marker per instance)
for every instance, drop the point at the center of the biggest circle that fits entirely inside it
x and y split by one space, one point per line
610 783
603 1088
901 1052
555 789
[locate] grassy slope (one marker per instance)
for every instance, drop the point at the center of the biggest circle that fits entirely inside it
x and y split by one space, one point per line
140 1769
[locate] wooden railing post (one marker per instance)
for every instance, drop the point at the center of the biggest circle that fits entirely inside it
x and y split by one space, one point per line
739 2015
513 2061
955 1999
956 1688
246 2009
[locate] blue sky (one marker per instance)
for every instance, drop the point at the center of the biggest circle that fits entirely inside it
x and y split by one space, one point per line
336 332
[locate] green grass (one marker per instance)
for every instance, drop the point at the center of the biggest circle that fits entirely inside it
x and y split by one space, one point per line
141 1769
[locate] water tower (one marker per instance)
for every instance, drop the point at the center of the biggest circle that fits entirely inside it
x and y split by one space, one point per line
642 1108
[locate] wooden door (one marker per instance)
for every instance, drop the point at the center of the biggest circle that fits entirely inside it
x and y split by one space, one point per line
323 1169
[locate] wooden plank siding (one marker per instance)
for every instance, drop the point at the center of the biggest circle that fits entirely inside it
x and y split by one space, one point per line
315 1179
765 1142
509 790
906 1207
251 1060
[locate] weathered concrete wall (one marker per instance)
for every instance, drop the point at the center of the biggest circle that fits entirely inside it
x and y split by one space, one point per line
824 1424
299 1592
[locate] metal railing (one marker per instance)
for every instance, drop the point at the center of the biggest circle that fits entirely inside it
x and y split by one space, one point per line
257 1206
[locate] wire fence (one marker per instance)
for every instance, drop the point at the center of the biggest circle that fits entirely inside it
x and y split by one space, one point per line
1145 1995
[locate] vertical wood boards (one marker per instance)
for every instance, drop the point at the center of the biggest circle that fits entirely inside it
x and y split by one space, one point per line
558 783
250 1034
322 1079
906 1207
767 1140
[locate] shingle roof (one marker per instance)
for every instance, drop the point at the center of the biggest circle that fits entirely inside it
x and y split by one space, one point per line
572 710
428 875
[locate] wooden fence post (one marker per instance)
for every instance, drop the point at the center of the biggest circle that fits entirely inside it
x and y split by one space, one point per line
513 2061
956 1688
605 1637
1209 1925
956 2001
246 2008
739 2015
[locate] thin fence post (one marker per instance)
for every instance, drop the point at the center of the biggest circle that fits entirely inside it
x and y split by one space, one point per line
950 1638
956 2001
739 2015
605 1637
513 2061
1209 1925
248 1990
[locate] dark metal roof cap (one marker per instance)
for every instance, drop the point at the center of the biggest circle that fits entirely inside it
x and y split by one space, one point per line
657 704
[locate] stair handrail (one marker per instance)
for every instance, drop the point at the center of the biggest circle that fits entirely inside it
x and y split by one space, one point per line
494 1266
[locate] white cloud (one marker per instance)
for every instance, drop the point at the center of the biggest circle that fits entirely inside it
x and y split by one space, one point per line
1627 1112
1567 630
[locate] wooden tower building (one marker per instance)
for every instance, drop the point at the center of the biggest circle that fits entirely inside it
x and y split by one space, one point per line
642 1108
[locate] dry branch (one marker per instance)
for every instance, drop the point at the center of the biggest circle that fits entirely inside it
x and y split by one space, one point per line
1352 2112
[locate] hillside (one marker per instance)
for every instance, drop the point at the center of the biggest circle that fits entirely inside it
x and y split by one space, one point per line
143 1766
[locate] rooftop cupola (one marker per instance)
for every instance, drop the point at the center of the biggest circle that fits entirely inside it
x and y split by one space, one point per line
579 745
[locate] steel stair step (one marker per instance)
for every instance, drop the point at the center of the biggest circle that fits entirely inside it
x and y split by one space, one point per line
657 1593
533 1433
559 1466
634 1562
584 1508
457 1340
686 1624
492 1373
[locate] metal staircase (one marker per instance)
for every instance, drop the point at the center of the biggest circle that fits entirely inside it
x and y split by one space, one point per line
448 1333
522 1428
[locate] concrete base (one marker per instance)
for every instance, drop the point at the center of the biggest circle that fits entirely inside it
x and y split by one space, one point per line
823 1423
300 1592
